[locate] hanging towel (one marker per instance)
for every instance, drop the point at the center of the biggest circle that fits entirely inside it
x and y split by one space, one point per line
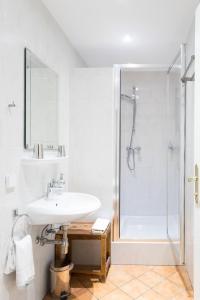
10 265
100 225
25 270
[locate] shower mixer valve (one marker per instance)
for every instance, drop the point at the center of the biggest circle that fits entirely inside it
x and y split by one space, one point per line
135 149
138 148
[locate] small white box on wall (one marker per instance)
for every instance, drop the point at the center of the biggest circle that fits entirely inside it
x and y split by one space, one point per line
10 182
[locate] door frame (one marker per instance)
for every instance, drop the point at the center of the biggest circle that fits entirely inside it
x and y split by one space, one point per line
197 156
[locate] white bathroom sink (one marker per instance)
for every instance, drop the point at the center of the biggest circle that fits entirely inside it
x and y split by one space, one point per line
62 209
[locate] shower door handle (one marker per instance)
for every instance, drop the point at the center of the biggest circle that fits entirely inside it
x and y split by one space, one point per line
195 179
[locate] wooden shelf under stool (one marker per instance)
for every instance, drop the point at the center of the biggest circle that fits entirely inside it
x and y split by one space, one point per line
83 231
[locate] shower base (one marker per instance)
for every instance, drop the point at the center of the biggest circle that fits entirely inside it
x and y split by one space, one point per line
144 240
147 227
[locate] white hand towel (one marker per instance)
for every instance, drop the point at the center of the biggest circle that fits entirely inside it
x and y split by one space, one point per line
25 270
100 225
10 259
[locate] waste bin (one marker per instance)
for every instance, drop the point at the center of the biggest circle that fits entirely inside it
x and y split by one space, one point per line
60 280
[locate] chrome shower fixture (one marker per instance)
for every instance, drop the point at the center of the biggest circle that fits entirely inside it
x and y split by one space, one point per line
131 150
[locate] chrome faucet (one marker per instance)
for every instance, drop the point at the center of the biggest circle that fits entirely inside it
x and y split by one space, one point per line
57 186
49 186
61 182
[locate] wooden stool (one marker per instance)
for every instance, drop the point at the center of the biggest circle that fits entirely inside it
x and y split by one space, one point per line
83 231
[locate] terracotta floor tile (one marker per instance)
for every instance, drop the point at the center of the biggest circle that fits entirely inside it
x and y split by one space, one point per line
151 295
187 293
118 277
180 280
183 297
137 270
82 294
151 278
134 288
75 283
76 286
165 271
125 282
167 289
119 267
97 288
117 295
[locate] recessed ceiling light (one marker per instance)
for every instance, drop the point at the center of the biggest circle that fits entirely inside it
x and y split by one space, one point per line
127 39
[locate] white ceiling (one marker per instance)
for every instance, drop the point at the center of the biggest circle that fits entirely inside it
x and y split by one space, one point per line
107 32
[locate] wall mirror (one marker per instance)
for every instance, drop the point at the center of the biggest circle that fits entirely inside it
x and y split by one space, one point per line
41 103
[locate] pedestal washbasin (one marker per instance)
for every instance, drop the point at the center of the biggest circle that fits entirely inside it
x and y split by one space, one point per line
62 209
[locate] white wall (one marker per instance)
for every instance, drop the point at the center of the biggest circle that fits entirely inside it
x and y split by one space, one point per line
91 146
91 135
189 167
27 23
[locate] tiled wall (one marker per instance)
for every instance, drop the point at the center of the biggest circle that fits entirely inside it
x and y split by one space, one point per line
157 126
144 191
27 23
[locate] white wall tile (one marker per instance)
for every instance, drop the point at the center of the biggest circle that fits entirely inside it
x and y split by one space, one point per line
144 191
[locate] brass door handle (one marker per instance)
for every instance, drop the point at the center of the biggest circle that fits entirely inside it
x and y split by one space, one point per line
195 179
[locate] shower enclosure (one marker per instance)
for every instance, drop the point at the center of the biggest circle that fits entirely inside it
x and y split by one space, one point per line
150 122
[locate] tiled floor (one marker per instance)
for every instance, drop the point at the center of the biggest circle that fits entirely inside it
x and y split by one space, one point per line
135 282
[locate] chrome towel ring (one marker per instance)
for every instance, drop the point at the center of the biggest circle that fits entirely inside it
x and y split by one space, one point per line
17 218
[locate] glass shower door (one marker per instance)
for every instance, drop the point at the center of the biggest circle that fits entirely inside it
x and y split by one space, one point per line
175 159
143 159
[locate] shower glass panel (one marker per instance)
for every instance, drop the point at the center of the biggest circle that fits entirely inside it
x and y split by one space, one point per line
150 154
175 154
